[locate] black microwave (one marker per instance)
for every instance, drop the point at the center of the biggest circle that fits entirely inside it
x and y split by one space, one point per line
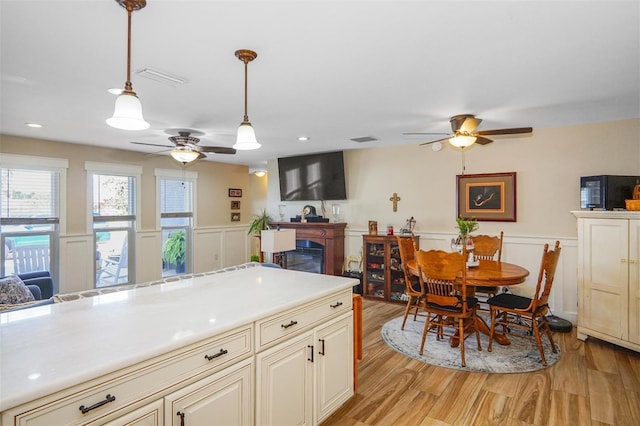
606 192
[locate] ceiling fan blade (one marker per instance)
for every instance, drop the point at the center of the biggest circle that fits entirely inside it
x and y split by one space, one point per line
201 156
482 140
513 131
437 140
216 149
152 144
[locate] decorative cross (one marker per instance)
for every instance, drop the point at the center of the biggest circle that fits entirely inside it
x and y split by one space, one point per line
394 198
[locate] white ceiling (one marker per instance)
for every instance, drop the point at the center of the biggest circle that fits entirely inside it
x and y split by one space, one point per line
330 70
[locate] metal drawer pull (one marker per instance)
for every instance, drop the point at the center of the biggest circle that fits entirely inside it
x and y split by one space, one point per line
321 351
181 414
289 325
109 398
310 347
214 356
336 305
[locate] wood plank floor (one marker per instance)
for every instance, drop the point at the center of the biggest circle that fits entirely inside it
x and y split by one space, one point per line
594 383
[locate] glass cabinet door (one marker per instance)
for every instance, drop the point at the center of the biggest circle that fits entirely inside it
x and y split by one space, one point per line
375 270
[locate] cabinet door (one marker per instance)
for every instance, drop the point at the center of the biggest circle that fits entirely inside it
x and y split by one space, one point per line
397 286
224 398
284 383
375 268
634 281
605 276
149 415
333 365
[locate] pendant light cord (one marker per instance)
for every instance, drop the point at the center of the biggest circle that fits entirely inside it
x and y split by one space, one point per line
127 84
246 72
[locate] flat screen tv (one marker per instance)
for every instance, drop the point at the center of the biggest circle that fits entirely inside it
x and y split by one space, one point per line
312 177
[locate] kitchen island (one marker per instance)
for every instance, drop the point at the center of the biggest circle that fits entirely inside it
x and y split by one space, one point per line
250 345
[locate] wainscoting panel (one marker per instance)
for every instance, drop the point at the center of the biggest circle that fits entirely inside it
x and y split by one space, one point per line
525 251
77 263
148 256
207 246
236 247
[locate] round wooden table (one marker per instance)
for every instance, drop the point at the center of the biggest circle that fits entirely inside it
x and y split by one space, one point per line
489 273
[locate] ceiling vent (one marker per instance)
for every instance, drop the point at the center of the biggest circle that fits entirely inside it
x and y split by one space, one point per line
364 139
161 76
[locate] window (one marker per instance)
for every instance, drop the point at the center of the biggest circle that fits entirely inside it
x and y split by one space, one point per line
176 205
114 199
30 212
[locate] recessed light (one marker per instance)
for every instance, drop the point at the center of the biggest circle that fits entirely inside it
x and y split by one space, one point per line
115 91
303 138
35 125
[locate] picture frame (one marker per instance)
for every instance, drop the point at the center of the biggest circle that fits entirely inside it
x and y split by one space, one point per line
487 197
235 192
235 216
235 204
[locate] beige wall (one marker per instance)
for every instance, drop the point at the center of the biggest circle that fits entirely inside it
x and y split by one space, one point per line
548 164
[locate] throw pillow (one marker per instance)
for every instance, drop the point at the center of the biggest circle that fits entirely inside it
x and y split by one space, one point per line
13 290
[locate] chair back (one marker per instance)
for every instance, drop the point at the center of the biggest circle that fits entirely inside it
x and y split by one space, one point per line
545 277
488 247
30 258
444 277
407 250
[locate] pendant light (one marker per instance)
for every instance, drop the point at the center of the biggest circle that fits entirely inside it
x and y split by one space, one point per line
128 111
246 139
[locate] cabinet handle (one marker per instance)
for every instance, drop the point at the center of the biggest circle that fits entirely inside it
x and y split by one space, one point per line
632 261
181 414
310 347
623 260
107 399
289 325
336 305
214 356
321 351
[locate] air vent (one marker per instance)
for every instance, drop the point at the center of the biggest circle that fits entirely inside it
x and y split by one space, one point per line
364 139
161 76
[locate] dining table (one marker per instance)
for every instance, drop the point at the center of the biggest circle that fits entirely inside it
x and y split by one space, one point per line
487 273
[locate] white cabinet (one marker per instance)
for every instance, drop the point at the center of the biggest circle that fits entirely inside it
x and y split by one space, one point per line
149 415
303 380
608 277
224 398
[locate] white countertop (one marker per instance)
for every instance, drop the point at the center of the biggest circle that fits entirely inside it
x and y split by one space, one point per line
47 348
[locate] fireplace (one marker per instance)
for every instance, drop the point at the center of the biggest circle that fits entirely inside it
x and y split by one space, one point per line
307 257
319 246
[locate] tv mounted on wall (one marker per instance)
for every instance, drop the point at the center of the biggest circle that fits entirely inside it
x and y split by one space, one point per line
312 177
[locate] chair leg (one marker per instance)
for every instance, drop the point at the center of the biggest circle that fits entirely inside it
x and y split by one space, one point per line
406 312
547 330
461 337
536 332
493 328
477 333
427 326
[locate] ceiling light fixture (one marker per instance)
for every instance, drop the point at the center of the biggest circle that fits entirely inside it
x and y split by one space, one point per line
246 139
128 111
260 173
462 141
184 155
34 125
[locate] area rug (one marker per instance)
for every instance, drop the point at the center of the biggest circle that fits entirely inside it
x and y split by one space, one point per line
520 356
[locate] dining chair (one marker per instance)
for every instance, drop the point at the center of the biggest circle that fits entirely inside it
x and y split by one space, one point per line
489 248
444 277
512 311
407 248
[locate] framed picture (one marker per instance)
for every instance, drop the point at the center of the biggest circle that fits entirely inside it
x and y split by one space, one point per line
235 192
235 205
487 197
235 216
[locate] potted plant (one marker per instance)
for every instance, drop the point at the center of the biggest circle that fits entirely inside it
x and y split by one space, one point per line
174 251
465 227
259 223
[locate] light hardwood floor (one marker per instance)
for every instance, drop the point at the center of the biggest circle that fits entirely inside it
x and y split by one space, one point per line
594 383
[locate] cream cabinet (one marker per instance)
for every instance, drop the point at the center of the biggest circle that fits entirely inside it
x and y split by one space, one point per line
149 415
304 379
609 277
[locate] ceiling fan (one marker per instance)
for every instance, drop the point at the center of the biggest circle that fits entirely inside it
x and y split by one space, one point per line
464 133
185 147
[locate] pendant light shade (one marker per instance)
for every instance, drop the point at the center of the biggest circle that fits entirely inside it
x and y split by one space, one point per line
246 138
184 155
128 111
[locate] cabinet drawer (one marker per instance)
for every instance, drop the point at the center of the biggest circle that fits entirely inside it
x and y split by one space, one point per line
103 398
278 327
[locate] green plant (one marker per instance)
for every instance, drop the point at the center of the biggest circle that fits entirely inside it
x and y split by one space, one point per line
260 222
174 249
466 226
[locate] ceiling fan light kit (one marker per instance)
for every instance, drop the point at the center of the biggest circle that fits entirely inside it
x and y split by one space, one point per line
184 155
127 114
462 141
246 138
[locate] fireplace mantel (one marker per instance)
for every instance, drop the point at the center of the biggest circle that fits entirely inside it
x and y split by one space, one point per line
329 235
